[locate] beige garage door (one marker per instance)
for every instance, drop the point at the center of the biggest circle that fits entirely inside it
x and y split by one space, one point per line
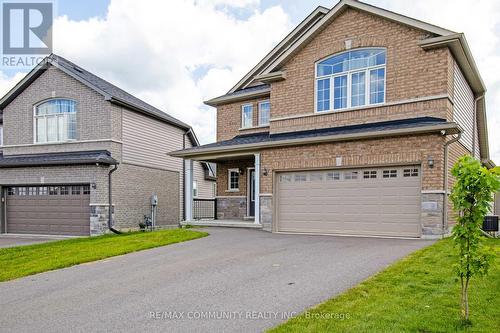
51 210
377 201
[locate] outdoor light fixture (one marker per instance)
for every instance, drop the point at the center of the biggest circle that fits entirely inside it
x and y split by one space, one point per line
430 162
93 185
241 171
265 172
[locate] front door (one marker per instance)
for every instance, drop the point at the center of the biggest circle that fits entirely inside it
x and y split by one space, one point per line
251 192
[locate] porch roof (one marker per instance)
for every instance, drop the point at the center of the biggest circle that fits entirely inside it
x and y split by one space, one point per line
72 158
249 142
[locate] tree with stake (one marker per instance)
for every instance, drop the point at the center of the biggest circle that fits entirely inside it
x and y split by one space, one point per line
472 196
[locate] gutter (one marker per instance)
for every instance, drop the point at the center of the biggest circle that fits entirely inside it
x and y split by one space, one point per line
110 202
231 98
445 198
453 128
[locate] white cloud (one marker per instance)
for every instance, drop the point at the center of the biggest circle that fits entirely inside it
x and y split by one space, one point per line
7 83
173 54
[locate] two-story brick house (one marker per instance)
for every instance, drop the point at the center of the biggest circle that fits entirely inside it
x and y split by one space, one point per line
349 126
65 131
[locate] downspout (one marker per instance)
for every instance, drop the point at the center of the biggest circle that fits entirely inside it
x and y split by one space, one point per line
474 124
445 197
110 201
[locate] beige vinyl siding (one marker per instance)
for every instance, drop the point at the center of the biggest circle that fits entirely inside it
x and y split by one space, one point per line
147 142
205 187
463 108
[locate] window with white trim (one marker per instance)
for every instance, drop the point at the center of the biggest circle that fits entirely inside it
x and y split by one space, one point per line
246 115
55 121
195 189
351 79
233 182
264 113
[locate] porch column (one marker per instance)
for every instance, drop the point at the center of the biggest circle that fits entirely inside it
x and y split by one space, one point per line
188 189
257 188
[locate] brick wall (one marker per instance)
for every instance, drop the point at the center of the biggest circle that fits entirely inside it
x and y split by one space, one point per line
401 150
93 112
133 187
439 108
229 119
411 73
222 177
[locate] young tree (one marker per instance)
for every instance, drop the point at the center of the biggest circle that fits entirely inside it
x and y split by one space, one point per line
472 196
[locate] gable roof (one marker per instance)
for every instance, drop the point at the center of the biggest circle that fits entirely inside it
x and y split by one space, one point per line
109 91
314 24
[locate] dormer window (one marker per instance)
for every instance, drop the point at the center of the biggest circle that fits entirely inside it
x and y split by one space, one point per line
351 79
55 121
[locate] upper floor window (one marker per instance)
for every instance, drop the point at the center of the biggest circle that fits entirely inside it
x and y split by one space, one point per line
55 121
351 79
246 116
264 113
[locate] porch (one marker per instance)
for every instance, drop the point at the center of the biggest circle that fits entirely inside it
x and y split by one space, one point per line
237 202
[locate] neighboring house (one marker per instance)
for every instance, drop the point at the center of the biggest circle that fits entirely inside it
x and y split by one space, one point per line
349 126
65 131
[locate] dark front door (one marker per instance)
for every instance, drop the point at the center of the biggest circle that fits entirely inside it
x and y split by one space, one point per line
251 193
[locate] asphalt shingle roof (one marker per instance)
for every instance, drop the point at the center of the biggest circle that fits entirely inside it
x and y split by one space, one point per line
113 91
342 130
71 158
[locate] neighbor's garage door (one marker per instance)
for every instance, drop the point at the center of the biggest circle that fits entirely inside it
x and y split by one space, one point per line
51 210
378 201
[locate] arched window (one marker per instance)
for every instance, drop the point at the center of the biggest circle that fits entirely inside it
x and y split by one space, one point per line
351 79
55 121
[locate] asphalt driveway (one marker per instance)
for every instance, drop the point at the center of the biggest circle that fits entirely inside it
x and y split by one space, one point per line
242 280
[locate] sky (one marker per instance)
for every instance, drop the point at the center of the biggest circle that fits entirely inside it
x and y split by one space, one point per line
175 54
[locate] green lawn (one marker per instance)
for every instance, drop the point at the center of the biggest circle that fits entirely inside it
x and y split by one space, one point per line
416 294
21 261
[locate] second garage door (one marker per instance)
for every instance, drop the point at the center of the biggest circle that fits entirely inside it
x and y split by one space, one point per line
51 210
377 201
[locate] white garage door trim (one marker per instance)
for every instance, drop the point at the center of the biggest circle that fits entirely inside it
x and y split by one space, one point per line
378 201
